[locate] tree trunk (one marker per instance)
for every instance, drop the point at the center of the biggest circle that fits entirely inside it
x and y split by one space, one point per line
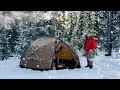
109 27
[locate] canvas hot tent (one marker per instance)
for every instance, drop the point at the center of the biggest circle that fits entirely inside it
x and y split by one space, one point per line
46 53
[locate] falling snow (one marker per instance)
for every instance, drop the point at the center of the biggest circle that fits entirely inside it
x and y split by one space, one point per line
23 58
34 16
33 24
25 64
37 65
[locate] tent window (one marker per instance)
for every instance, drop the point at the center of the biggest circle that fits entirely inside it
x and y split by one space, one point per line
32 56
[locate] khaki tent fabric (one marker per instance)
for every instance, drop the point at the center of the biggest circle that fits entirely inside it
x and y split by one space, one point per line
42 52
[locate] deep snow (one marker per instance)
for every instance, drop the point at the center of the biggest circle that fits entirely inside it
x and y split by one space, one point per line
105 67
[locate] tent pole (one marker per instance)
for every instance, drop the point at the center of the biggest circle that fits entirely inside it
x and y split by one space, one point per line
58 57
53 64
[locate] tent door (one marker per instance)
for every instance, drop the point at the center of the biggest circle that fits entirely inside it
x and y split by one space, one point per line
59 65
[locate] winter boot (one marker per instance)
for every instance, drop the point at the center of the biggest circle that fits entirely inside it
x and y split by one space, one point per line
87 63
91 66
87 66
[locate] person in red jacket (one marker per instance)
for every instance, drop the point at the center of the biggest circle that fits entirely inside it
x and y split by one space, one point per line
89 46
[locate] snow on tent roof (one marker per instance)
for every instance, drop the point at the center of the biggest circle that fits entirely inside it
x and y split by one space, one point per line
42 41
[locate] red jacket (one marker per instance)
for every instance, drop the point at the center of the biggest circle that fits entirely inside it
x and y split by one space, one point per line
89 44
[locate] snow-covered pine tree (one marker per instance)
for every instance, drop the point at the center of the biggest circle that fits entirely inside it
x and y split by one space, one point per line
77 33
4 49
50 27
61 24
64 22
17 36
102 27
12 36
116 30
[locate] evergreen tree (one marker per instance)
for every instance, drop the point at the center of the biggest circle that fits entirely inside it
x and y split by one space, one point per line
102 27
4 49
12 36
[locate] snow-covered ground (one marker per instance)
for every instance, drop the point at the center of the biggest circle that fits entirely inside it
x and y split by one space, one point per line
105 67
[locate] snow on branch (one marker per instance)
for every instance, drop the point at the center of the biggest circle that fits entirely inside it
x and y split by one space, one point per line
9 17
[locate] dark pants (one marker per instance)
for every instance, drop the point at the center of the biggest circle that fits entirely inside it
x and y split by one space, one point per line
89 58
